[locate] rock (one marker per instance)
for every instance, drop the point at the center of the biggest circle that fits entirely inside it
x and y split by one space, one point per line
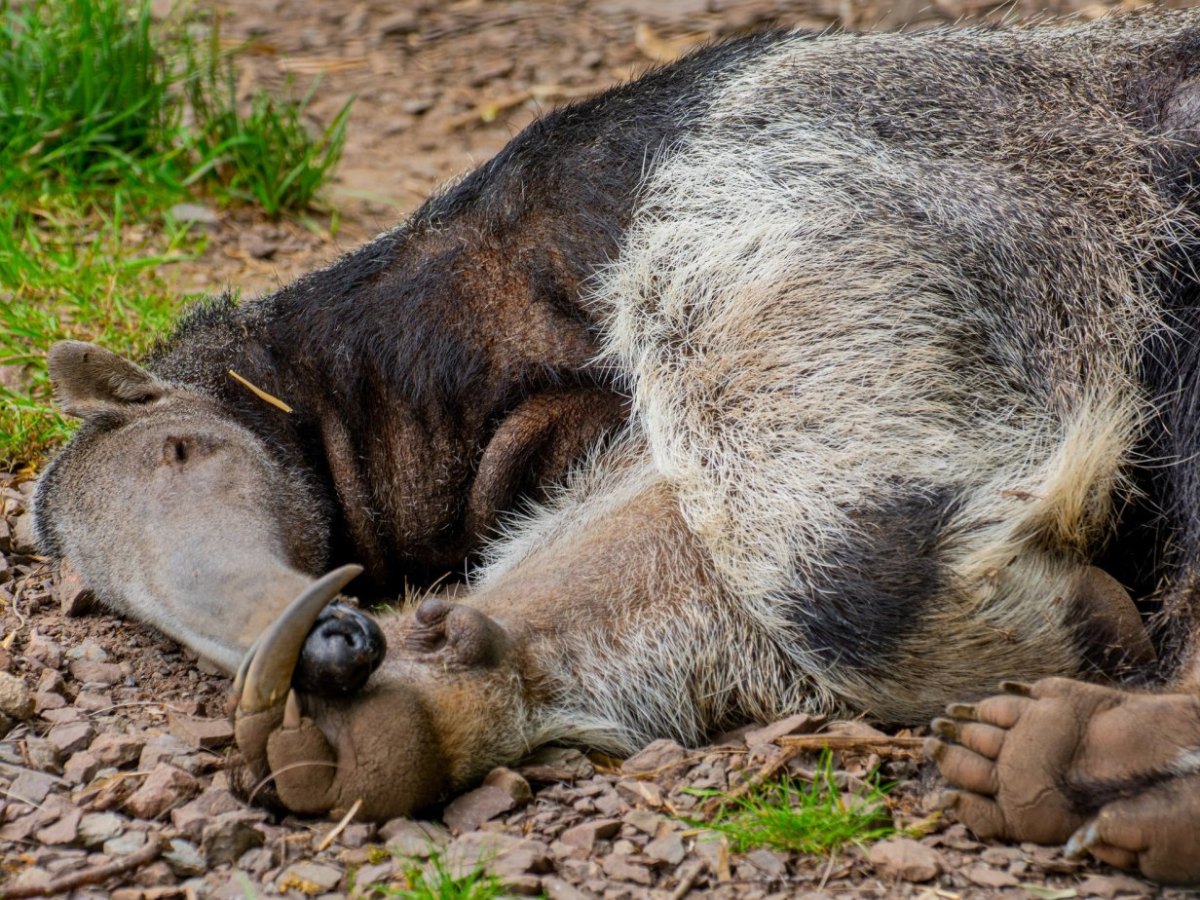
190 819
16 700
44 650
44 701
72 737
644 820
587 833
801 723
309 878
257 245
81 767
183 858
1108 886
88 649
985 876
42 754
51 682
771 864
657 757
63 831
24 540
854 728
644 793
201 734
164 788
229 835
556 764
117 749
408 838
667 849
7 723
503 853
906 860
372 874
96 828
501 791
74 597
618 867
557 889
30 787
91 671
129 842
93 701
161 748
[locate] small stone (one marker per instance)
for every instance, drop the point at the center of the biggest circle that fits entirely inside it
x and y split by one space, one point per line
229 835
618 866
51 682
657 757
81 767
184 859
44 650
773 865
587 833
16 700
801 723
88 649
557 889
91 671
667 849
191 818
372 874
986 876
44 701
129 842
63 831
72 737
30 787
23 538
1108 886
309 878
505 855
552 764
503 790
93 701
164 788
405 837
74 597
161 748
906 860
205 734
117 749
644 793
257 245
96 828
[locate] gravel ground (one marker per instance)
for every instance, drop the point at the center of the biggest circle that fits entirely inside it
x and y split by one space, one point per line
115 748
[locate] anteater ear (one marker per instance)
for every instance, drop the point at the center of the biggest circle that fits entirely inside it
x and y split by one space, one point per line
93 383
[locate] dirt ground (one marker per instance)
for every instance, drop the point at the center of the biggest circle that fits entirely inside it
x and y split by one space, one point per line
117 746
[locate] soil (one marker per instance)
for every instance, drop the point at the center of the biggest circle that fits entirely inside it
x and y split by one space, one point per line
115 747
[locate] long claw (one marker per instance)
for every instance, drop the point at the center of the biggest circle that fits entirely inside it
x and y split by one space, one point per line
1017 688
291 712
268 675
1082 840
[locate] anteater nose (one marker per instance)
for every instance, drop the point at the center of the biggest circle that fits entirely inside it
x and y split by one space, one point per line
340 653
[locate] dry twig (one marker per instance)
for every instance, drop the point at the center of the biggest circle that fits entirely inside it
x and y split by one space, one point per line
93 875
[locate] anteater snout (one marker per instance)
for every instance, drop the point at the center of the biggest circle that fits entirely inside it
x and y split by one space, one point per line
340 653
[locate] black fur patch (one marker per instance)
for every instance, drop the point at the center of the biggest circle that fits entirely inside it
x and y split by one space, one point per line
875 586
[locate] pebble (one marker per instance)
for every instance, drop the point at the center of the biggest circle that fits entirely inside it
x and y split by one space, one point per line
81 767
229 835
667 849
985 876
183 858
117 749
71 737
96 828
207 734
165 787
44 650
309 878
16 700
129 842
63 831
503 790
906 860
658 757
585 835
406 837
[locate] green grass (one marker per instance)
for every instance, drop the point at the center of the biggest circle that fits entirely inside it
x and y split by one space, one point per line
803 817
107 119
437 882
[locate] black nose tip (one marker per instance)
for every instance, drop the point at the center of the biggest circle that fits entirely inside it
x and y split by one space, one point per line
340 653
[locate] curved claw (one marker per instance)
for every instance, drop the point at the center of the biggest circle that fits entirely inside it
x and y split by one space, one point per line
265 674
1084 838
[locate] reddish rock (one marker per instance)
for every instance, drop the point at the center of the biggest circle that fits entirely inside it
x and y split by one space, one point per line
206 734
16 700
63 831
81 767
503 790
71 737
985 876
91 671
587 833
117 749
658 757
906 860
166 787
